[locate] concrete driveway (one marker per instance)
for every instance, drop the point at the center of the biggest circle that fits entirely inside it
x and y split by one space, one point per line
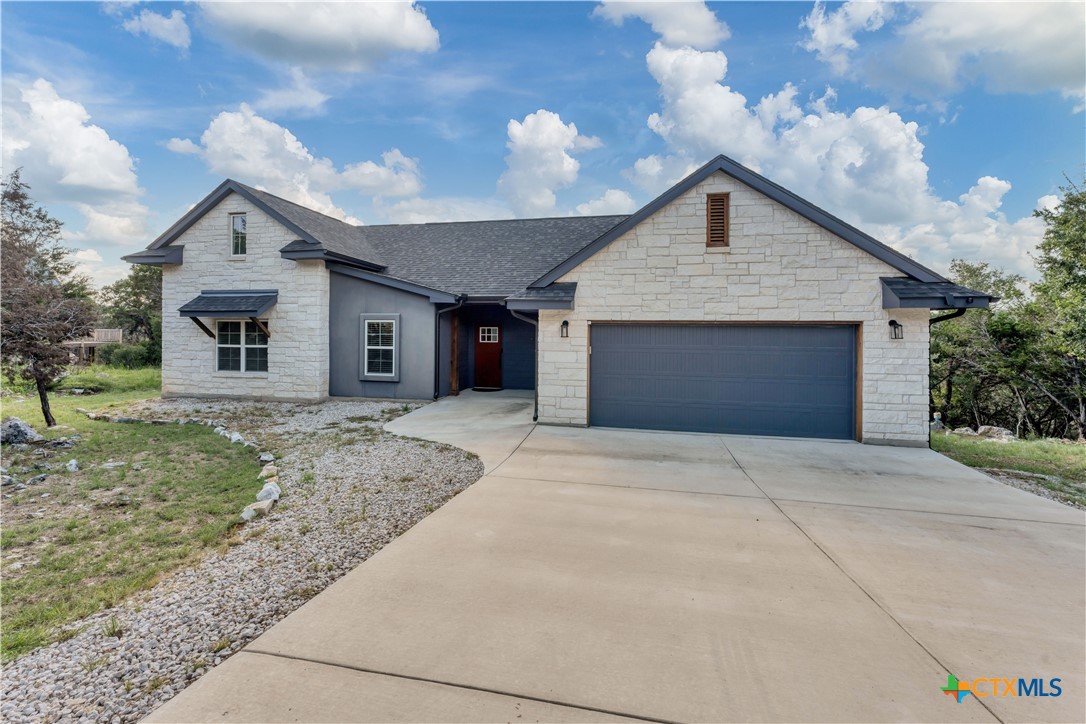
595 575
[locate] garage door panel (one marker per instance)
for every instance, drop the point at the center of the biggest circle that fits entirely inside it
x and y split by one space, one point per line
786 380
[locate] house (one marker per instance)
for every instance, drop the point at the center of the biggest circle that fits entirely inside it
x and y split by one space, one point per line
728 304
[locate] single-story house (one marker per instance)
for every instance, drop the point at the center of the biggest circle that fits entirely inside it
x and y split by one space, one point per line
728 304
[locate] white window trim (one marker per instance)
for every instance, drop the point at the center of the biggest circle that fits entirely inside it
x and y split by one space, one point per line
491 331
363 348
230 227
241 372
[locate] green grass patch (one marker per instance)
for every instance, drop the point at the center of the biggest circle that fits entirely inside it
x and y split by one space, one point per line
1066 461
103 535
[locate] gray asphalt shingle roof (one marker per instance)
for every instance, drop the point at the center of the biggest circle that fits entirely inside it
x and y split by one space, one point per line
477 258
210 303
483 258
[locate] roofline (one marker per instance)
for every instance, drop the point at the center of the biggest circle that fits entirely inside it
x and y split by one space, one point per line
157 257
968 299
319 253
531 305
224 189
434 295
766 187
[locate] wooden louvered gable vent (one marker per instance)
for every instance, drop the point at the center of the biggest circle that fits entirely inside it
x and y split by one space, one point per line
716 220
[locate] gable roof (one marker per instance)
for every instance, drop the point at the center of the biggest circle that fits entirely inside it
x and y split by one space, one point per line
477 258
767 188
311 226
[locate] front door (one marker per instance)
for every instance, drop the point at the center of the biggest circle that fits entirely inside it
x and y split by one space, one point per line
488 358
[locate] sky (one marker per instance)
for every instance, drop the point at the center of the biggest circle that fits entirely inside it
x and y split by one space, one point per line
936 127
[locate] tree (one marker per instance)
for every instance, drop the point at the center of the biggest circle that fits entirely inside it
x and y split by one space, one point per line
1061 304
135 303
43 303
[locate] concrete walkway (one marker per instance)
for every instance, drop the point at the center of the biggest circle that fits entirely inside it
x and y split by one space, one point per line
597 574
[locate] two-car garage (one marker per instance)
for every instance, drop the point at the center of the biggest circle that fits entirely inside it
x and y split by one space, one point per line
789 380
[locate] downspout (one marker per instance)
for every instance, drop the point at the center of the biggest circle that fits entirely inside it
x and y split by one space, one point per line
944 317
534 323
437 343
932 322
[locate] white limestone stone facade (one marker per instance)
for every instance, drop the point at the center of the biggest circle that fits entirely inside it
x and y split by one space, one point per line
298 348
779 267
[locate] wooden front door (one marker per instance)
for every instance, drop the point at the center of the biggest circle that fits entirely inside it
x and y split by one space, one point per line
488 357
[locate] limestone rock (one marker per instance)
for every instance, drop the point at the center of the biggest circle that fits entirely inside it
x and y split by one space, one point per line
995 432
265 457
236 437
270 491
256 510
268 471
967 431
72 466
14 431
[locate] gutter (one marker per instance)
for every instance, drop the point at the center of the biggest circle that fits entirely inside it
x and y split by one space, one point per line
437 343
534 323
944 317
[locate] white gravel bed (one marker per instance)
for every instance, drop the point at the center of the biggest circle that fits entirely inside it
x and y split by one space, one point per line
349 489
1030 482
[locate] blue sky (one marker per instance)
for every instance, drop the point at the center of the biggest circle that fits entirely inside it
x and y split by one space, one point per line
937 127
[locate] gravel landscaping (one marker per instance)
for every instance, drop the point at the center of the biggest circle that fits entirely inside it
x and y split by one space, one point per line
349 488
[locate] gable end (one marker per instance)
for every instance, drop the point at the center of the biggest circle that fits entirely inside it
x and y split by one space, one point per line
767 188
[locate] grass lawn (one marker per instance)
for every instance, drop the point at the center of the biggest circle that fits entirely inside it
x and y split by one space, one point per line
1062 460
99 535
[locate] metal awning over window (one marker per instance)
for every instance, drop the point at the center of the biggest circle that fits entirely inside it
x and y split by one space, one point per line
230 304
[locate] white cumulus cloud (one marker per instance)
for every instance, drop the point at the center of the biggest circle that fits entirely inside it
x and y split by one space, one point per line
539 161
676 21
300 95
613 201
833 35
170 29
67 159
344 36
420 210
243 145
865 165
937 48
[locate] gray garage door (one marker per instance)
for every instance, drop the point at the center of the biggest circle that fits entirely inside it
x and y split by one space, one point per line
787 380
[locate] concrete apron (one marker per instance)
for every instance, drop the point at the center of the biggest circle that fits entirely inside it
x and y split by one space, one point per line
600 574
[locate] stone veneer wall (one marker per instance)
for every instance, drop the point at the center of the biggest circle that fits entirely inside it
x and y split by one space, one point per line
298 348
779 267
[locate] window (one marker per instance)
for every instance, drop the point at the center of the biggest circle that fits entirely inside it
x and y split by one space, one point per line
241 346
716 219
379 347
488 334
237 234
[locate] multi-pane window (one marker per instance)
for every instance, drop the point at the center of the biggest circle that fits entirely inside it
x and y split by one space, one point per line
237 234
241 346
380 347
488 334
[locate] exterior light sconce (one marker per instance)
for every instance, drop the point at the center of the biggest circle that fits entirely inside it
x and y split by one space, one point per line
565 328
896 330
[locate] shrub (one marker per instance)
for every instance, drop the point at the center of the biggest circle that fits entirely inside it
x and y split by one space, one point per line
129 356
104 354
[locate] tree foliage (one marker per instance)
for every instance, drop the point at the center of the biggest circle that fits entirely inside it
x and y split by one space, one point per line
135 304
43 302
1021 364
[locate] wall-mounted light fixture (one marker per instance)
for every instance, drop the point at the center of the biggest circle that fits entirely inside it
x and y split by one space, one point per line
896 330
565 328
